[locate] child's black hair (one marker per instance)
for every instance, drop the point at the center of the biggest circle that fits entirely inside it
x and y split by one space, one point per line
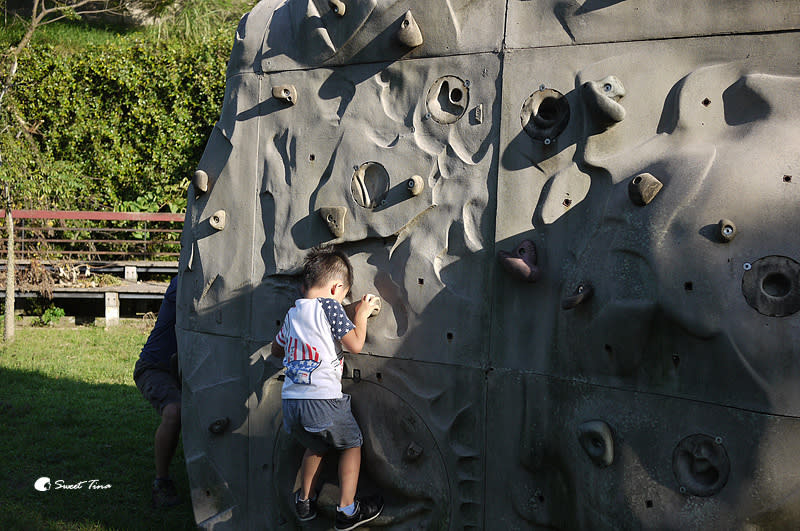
325 263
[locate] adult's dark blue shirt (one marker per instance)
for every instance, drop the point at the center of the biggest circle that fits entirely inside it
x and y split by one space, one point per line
162 343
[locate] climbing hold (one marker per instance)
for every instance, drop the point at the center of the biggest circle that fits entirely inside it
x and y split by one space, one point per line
377 309
416 185
545 115
581 294
218 219
479 113
335 218
644 188
200 181
409 33
597 441
285 93
521 263
602 98
700 465
413 452
219 426
338 7
447 99
727 230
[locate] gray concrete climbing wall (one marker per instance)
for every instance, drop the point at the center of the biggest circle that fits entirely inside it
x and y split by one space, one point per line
581 217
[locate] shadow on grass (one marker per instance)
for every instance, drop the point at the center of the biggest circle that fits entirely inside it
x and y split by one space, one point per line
73 432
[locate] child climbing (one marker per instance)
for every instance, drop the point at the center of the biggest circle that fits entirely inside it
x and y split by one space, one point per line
315 411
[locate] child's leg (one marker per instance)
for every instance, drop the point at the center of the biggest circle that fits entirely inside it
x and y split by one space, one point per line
349 468
309 473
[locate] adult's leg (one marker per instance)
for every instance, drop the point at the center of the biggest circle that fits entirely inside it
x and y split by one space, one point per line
167 436
349 468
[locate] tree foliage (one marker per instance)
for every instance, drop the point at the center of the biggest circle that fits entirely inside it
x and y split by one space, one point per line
123 123
118 124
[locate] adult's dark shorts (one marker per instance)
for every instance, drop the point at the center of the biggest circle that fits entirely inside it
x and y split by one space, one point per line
159 383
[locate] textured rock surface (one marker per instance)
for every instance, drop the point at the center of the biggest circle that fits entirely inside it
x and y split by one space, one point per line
639 370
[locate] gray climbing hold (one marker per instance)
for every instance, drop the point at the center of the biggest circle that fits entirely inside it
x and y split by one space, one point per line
409 33
335 218
377 309
479 113
286 93
219 426
338 7
644 188
727 230
416 185
602 98
581 294
218 219
597 441
200 181
413 452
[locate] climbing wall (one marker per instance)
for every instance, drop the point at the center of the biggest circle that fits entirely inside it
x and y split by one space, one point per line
581 219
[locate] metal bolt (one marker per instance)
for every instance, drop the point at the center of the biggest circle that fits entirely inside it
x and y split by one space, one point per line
747 266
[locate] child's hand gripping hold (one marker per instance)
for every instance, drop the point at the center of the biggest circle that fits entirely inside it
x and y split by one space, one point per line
368 306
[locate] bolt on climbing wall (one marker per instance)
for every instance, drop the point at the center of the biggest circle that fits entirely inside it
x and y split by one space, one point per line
579 218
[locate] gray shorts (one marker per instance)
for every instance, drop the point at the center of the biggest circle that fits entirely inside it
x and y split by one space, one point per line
159 384
320 425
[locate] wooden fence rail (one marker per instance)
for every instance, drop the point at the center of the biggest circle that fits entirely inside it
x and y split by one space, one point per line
95 236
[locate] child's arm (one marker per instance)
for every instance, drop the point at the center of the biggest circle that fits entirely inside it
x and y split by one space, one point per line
354 339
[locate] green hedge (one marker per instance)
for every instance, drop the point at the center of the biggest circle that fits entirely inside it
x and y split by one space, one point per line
120 125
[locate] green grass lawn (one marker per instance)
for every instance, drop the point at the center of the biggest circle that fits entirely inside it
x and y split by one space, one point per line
70 411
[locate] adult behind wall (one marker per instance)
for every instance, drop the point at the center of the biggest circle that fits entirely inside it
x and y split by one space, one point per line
157 377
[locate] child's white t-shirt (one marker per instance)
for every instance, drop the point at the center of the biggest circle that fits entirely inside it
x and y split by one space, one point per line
310 336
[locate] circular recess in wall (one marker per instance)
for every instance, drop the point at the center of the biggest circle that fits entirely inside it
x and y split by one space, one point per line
370 184
448 99
545 114
772 286
400 455
701 465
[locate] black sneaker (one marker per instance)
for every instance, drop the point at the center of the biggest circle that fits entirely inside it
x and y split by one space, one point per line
367 510
164 493
304 509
